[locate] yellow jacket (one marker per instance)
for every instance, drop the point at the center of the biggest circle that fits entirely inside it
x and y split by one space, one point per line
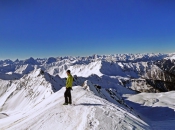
69 81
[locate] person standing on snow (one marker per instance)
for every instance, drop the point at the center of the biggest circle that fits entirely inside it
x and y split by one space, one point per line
67 93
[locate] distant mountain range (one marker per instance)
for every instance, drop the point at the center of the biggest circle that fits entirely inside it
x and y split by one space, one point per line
154 71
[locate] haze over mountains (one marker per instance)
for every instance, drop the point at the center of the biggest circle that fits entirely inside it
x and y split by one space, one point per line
105 92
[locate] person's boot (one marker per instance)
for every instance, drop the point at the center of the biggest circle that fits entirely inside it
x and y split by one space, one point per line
65 104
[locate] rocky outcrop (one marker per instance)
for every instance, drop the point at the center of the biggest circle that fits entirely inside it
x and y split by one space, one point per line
160 78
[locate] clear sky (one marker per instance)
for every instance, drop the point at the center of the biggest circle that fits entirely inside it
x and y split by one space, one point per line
44 28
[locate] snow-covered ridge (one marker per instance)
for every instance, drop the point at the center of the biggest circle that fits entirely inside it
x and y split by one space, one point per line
89 112
27 91
33 105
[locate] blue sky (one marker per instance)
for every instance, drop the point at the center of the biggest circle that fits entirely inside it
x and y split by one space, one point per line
44 28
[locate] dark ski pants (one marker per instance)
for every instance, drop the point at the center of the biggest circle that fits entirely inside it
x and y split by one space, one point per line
67 95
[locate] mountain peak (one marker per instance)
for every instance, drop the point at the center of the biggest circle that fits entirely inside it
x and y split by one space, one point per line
51 60
37 72
31 61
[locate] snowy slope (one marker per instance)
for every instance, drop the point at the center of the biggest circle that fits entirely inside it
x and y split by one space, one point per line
158 109
89 112
28 91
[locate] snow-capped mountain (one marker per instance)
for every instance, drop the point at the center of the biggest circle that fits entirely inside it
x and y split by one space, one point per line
127 65
159 78
51 63
104 90
29 90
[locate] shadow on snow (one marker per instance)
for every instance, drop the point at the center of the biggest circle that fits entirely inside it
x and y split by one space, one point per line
157 113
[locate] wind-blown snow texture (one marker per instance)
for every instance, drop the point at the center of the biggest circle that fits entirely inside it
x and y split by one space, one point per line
105 93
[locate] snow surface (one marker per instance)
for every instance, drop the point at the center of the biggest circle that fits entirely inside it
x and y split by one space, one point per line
172 58
32 94
88 112
156 109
